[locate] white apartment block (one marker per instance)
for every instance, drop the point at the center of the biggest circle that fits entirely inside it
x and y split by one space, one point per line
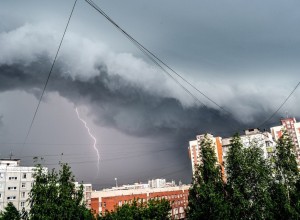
292 127
87 193
15 183
252 136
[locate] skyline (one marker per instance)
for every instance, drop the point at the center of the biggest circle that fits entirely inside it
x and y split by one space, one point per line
244 56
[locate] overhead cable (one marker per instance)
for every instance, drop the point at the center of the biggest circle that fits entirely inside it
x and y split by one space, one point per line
49 74
282 104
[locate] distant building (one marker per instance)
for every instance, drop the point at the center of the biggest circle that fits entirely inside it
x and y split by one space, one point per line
15 183
87 193
252 136
292 127
195 150
109 199
222 145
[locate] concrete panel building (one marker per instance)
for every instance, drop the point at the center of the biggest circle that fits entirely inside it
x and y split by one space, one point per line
15 183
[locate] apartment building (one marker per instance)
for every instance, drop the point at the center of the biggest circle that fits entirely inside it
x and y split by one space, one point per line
292 127
195 150
15 183
87 192
109 199
252 136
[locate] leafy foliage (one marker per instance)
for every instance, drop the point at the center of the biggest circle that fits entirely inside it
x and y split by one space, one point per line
255 188
248 180
207 196
155 209
54 196
286 186
10 213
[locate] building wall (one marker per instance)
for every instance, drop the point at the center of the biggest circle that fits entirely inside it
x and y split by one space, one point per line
292 127
109 200
195 150
87 192
15 184
252 136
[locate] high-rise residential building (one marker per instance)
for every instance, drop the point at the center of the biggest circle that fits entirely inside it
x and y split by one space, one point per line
222 145
15 183
292 127
109 199
195 150
252 136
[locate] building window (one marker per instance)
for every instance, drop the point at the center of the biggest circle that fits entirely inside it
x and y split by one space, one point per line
22 204
23 185
1 175
11 197
0 195
120 203
12 188
12 178
24 176
1 185
23 195
104 204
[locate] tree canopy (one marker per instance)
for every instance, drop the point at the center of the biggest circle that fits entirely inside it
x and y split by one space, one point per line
254 187
54 196
154 209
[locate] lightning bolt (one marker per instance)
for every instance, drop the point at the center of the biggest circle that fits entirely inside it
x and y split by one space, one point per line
92 136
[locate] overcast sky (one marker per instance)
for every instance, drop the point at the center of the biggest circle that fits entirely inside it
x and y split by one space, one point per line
242 55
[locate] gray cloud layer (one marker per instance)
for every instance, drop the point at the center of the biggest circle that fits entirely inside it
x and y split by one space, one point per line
124 91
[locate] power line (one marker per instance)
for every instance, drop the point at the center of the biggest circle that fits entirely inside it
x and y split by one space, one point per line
155 58
121 152
157 61
282 104
49 74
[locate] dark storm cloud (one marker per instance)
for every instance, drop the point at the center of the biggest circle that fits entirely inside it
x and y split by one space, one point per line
118 103
124 91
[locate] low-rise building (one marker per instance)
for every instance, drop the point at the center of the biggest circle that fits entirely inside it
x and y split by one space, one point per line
109 199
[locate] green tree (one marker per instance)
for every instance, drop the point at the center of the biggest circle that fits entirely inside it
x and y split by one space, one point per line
10 213
286 186
155 209
248 179
54 196
207 196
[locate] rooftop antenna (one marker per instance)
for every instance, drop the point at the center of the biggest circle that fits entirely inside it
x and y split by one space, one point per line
10 155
